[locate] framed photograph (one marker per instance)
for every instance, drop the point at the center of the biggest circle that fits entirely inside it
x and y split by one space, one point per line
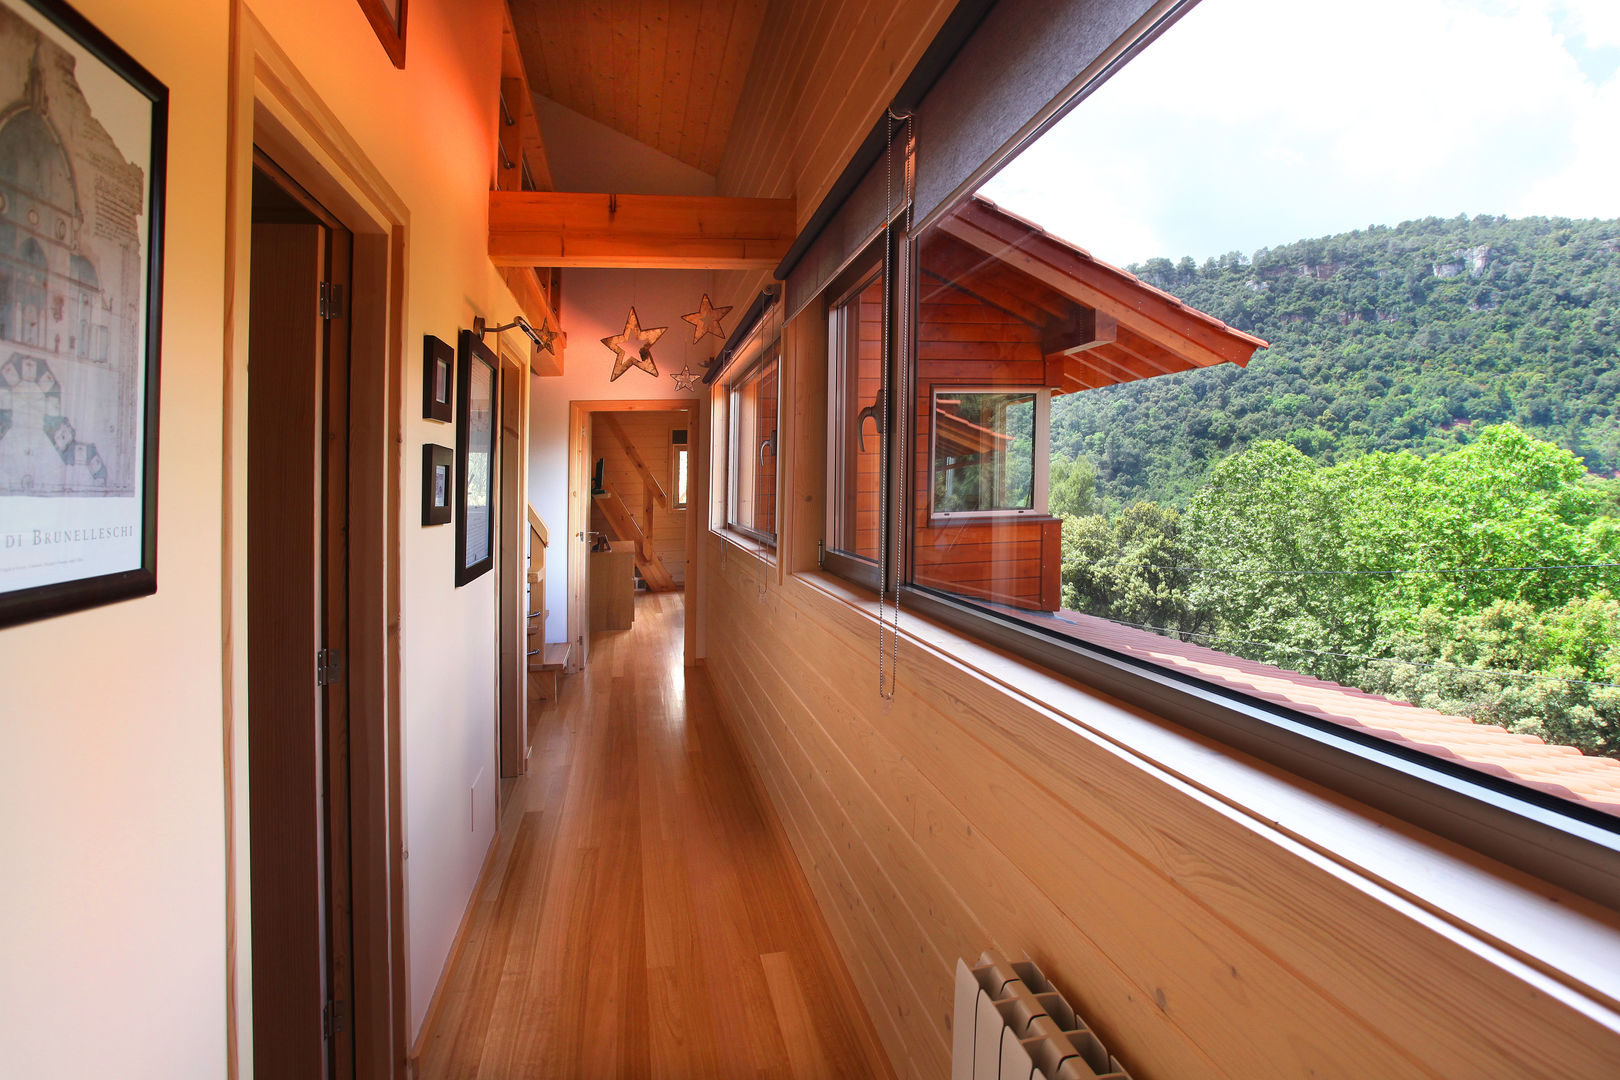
438 379
438 481
475 457
83 136
387 18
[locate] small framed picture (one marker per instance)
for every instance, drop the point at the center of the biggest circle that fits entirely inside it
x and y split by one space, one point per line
438 379
387 18
438 483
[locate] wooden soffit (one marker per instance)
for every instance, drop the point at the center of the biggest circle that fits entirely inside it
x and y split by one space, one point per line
668 73
665 232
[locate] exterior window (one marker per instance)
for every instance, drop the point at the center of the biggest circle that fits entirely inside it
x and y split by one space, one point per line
855 405
1362 475
679 466
751 405
989 452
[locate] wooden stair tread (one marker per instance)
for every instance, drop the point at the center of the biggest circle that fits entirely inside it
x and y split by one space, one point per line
553 657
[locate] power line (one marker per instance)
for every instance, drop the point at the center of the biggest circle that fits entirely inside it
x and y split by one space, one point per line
1166 631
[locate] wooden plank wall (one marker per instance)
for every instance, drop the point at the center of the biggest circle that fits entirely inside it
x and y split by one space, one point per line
649 431
819 79
990 805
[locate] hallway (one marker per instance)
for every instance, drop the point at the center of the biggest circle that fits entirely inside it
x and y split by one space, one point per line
643 914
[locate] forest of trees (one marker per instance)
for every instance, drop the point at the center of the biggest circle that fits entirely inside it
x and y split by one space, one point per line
1410 492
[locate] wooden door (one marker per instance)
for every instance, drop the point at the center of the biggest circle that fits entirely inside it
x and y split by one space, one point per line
297 636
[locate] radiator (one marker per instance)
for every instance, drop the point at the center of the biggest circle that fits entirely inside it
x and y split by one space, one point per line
1011 1025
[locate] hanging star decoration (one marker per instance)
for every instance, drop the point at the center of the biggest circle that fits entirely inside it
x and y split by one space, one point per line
706 320
684 378
547 337
633 348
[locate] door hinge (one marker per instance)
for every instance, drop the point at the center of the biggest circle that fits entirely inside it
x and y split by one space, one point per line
332 1019
328 667
330 303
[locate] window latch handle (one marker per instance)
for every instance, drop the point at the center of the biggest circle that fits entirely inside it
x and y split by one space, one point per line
767 443
869 413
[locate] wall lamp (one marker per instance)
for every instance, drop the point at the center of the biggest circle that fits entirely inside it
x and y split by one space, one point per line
542 338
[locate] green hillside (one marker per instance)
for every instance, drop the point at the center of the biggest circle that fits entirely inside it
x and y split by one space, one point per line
1412 337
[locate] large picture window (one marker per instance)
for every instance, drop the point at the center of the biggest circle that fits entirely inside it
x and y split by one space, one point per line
1208 423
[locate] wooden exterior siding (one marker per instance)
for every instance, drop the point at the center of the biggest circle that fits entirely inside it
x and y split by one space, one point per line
964 341
649 432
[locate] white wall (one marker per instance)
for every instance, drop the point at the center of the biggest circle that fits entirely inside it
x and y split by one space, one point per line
112 785
594 305
587 156
113 813
430 130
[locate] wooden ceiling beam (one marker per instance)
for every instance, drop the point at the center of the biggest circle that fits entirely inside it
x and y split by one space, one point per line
1085 328
668 232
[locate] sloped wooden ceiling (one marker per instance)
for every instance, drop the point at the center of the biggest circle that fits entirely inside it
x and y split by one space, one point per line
668 73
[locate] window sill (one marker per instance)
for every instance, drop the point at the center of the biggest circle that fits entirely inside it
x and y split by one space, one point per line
1549 938
746 544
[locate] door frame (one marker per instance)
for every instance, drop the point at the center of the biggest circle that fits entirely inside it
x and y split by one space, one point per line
580 427
511 567
271 105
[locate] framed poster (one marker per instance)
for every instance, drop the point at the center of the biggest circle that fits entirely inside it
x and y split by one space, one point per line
387 18
475 458
83 134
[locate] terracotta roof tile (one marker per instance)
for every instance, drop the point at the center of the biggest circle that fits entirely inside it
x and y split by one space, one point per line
1559 770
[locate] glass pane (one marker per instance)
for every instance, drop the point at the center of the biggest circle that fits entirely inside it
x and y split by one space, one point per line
751 471
680 477
1314 436
984 451
855 333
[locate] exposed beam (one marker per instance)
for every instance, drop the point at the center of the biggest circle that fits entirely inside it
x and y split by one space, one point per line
524 281
1085 328
678 232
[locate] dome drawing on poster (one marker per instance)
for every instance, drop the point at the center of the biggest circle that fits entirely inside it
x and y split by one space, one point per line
72 210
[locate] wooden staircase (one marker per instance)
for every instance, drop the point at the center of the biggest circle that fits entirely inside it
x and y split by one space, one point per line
622 525
616 512
543 657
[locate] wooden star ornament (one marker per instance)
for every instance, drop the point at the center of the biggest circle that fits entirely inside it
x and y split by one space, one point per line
547 336
633 347
706 320
684 378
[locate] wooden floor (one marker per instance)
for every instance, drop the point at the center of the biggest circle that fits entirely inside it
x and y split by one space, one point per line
643 914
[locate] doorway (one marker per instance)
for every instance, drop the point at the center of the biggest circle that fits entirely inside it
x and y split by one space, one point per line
624 491
297 626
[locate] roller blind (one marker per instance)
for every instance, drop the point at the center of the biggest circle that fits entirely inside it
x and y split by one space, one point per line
997 74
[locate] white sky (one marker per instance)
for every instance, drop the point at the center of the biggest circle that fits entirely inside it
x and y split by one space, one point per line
1253 123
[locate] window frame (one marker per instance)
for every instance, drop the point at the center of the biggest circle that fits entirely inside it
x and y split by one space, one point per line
859 272
731 387
1041 448
1557 840
679 452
